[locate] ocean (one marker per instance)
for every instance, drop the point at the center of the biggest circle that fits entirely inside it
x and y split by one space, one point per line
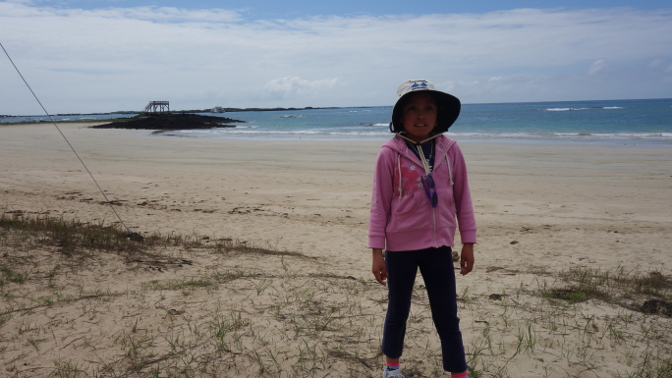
640 123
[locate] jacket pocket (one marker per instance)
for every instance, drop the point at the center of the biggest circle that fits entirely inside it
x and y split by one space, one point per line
413 212
446 209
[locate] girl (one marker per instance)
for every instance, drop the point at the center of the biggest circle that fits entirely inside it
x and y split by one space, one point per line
420 189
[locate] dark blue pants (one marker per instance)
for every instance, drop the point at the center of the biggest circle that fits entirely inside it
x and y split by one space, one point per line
436 267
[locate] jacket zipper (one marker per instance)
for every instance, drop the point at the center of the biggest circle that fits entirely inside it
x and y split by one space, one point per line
411 156
436 241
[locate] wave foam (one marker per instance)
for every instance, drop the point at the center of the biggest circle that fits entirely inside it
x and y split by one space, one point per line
375 124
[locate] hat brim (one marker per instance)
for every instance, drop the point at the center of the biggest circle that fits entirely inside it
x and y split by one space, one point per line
449 108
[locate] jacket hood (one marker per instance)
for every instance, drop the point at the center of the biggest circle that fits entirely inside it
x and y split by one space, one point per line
398 144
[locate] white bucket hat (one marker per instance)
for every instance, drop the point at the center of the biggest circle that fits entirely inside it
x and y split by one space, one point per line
448 105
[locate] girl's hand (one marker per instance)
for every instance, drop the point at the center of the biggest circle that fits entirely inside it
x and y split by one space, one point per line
467 258
378 267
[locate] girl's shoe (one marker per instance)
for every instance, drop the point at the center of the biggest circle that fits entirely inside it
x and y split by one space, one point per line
392 373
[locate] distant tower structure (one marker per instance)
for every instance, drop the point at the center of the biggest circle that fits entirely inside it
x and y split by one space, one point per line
157 107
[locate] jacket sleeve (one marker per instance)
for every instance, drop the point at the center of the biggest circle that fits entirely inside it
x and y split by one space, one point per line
463 205
381 197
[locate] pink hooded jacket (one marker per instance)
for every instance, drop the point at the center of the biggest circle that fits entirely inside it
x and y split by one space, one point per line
402 217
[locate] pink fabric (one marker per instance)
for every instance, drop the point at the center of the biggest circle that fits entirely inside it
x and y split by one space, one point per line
460 375
402 217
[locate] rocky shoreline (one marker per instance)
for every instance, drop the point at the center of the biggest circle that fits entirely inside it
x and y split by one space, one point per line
170 121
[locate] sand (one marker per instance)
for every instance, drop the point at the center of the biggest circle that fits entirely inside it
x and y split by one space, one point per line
540 210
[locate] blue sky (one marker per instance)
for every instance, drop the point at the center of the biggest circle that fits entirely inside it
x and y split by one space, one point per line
100 56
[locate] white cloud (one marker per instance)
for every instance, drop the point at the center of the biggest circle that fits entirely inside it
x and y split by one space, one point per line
655 63
293 87
598 66
168 14
120 58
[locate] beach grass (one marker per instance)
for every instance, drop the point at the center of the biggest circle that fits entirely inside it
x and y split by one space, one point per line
84 300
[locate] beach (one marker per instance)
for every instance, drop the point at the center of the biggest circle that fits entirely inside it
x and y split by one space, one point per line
540 209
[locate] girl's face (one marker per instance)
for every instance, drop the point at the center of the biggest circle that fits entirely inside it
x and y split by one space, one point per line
418 116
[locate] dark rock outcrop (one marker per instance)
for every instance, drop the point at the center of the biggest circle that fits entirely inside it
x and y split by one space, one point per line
168 121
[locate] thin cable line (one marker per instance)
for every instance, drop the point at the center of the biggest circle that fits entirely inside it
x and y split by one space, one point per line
66 140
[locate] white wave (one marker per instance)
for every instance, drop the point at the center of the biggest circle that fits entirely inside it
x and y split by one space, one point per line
580 133
559 135
513 135
380 131
618 136
570 109
194 131
239 131
508 135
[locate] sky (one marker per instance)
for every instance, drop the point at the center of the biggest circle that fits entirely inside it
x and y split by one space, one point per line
83 56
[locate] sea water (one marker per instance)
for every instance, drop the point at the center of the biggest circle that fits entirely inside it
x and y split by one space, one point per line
642 123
